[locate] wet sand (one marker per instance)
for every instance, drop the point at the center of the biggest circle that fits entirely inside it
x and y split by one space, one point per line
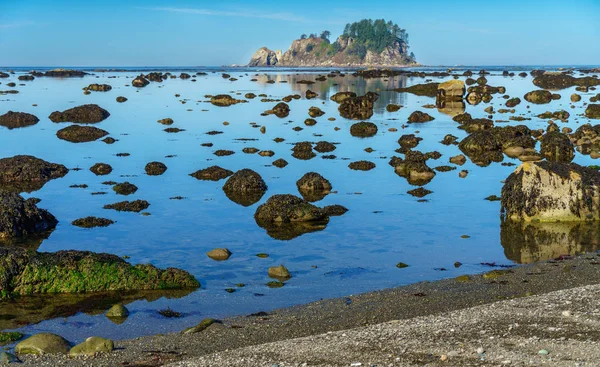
425 299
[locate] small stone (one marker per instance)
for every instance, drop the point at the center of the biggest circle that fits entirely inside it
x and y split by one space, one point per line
480 350
279 272
219 254
566 313
543 352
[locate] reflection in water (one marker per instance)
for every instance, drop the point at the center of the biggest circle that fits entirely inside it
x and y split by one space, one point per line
289 231
333 85
32 242
27 310
525 243
451 108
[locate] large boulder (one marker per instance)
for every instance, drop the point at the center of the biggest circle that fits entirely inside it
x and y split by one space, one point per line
25 272
358 108
81 134
245 187
20 217
451 90
86 114
14 120
43 343
25 173
552 192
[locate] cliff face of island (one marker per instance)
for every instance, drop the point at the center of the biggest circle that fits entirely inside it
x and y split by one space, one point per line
365 43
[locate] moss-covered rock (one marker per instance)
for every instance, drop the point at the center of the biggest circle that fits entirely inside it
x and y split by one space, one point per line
212 173
303 151
125 188
203 325
313 187
43 343
245 187
91 346
86 114
7 337
25 173
361 165
92 222
324 147
593 111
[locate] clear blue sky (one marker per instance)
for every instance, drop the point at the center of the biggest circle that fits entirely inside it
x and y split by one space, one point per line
189 33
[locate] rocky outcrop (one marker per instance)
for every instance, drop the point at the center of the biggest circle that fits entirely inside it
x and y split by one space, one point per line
20 217
245 187
358 108
25 173
561 81
451 90
265 57
552 192
24 272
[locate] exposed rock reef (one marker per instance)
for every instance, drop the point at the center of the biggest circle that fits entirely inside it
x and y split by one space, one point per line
25 173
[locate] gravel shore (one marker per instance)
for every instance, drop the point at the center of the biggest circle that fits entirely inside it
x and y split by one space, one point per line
510 313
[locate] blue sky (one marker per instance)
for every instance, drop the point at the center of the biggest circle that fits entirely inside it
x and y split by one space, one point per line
190 33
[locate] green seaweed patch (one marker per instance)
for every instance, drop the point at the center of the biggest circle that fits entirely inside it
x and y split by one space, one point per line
169 313
275 284
495 274
200 327
463 278
9 337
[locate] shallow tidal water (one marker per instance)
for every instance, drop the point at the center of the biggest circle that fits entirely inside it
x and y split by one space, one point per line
355 253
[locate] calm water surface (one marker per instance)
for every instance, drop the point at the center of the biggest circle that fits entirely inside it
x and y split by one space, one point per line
357 252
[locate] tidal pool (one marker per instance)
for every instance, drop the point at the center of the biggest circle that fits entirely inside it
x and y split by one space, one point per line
354 253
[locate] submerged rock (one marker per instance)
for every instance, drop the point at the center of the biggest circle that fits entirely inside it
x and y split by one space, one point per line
245 187
551 192
86 114
25 173
212 173
80 134
24 272
20 217
14 120
43 343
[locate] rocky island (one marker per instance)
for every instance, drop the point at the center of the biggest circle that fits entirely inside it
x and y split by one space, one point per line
362 44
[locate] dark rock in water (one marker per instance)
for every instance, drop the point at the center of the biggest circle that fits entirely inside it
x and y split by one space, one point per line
559 115
287 216
212 173
363 129
593 111
250 150
408 141
419 116
392 107
313 187
303 151
280 163
539 97
26 77
140 82
26 273
361 166
339 97
64 73
552 192
4 75
513 102
223 152
98 87
474 125
14 120
484 147
86 114
358 108
155 168
166 121
173 130
335 210
92 222
245 187
25 173
101 169
80 134
125 188
449 139
310 94
315 112
557 147
562 81
414 168
109 140
462 118
250 95
281 110
184 76
324 147
428 90
419 192
121 99
19 218
224 100
129 206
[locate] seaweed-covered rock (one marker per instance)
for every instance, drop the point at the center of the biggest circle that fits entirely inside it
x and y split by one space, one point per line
98 87
339 97
363 129
81 134
313 187
562 81
121 99
166 121
287 216
428 90
513 102
335 210
129 206
245 187
86 114
559 115
224 100
414 168
281 110
125 188
91 346
419 116
407 142
539 97
474 125
310 94
324 147
101 169
593 111
155 168
361 165
92 222
315 112
26 272
20 217
25 173
552 191
392 107
358 108
557 147
212 173
14 120
451 90
43 343
140 82
303 151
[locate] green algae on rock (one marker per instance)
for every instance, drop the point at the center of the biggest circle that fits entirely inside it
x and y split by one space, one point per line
43 343
91 346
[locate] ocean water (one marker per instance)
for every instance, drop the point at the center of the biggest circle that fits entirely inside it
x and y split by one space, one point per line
355 253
